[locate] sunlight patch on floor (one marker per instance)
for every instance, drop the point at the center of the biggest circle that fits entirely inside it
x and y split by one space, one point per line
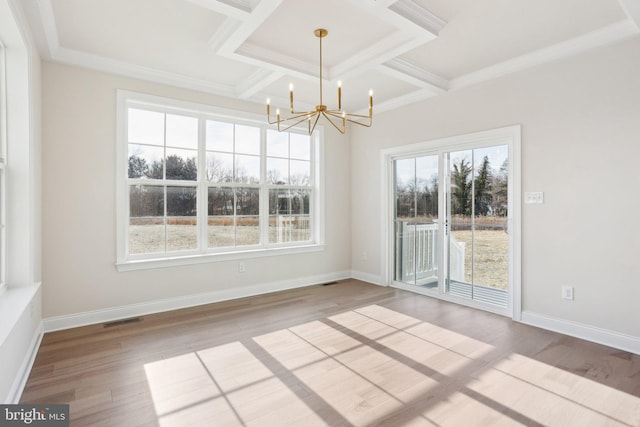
551 395
366 365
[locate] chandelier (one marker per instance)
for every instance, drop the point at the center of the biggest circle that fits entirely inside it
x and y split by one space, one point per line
338 118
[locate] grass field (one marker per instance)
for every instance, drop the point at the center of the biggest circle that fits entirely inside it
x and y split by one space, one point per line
491 263
150 238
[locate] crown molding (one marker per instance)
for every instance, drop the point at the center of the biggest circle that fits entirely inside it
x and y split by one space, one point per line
256 82
48 19
108 65
632 9
417 14
402 20
606 35
226 30
237 10
408 72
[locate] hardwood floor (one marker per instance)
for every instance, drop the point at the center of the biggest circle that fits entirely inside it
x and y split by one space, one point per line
338 355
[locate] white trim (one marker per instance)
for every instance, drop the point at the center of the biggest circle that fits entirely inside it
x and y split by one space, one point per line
373 279
20 381
582 331
146 264
511 136
203 254
99 316
226 8
632 9
256 82
107 65
411 73
3 174
48 21
451 298
601 37
417 14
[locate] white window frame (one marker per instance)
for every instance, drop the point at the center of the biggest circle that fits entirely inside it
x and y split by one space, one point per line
3 161
126 262
510 136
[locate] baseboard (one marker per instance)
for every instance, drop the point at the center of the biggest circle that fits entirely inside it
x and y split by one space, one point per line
590 333
367 277
25 368
106 315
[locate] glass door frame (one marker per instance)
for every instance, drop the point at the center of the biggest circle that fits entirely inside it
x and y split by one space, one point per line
510 136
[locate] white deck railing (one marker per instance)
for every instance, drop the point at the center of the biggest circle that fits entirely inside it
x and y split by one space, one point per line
417 253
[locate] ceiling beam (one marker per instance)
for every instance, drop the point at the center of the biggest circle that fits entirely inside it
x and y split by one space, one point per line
256 82
48 19
417 14
258 15
632 9
236 10
405 17
408 72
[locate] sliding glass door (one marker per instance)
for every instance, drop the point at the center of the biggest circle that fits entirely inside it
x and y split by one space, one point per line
451 219
477 219
416 220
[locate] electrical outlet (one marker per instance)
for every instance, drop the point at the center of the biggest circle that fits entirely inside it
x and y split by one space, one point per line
567 293
534 197
363 256
241 267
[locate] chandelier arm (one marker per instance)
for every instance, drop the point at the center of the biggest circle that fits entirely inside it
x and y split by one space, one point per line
361 116
348 118
367 125
296 117
315 122
301 112
341 130
291 125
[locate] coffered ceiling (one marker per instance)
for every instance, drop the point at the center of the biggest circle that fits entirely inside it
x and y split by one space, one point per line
405 50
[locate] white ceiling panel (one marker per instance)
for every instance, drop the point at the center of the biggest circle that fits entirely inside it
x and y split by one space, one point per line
405 50
289 31
129 31
492 31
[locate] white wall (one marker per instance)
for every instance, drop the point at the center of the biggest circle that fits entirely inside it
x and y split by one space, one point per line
580 122
79 227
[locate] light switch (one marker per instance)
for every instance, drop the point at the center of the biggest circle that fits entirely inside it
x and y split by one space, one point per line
534 197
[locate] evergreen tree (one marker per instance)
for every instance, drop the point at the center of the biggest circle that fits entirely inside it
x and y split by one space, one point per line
137 167
461 188
499 190
482 187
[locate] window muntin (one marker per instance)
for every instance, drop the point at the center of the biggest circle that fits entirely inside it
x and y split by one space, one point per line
288 176
198 184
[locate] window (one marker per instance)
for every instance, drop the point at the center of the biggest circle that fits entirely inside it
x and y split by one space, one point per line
199 185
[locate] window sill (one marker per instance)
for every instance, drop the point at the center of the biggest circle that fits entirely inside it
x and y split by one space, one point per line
13 302
147 264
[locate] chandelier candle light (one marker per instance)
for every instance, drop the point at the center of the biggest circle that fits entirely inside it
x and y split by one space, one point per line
338 118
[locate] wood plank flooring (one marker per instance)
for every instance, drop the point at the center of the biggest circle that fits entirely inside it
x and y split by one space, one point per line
349 354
